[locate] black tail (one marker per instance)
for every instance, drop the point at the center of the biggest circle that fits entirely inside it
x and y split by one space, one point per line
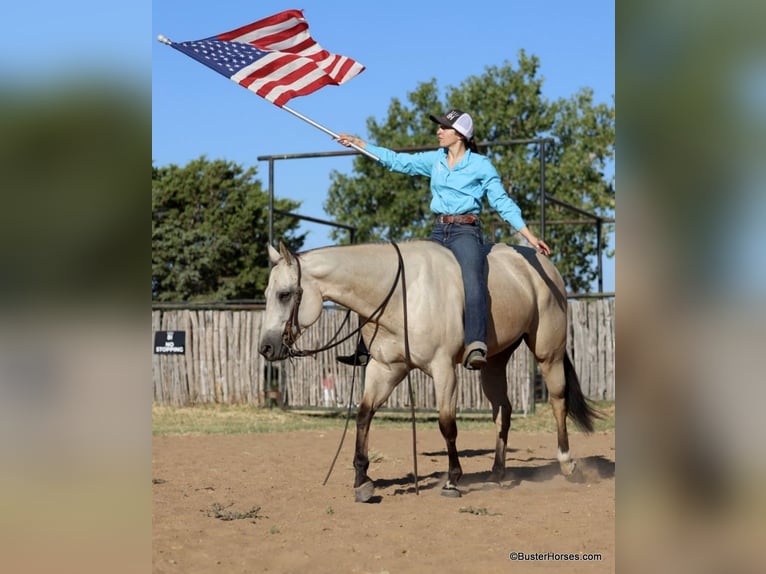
578 407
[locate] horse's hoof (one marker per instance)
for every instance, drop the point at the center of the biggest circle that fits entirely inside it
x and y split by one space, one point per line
451 492
496 477
364 492
568 467
577 475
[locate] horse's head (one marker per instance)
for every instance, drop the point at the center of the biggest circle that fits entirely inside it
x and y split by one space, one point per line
293 302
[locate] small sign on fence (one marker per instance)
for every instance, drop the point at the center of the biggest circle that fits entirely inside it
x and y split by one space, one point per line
169 342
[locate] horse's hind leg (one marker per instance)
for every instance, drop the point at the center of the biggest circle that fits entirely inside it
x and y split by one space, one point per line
379 383
494 383
554 377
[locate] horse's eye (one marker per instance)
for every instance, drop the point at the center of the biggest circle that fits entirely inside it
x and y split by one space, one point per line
284 295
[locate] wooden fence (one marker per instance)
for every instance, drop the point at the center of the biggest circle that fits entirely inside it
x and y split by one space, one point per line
221 363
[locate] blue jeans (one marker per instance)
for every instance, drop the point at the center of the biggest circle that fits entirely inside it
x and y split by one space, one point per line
467 244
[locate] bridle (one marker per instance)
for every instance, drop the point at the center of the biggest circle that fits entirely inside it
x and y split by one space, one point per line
292 325
292 330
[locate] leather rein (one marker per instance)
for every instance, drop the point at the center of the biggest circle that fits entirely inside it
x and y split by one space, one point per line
292 330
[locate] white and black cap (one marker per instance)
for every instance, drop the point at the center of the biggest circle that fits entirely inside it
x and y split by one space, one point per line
458 120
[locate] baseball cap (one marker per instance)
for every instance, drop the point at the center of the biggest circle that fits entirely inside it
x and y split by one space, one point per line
458 120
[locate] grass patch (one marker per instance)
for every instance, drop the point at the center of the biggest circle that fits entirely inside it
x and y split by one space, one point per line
482 511
218 510
230 419
237 419
375 457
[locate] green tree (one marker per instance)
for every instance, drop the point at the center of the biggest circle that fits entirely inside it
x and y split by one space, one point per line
506 104
210 231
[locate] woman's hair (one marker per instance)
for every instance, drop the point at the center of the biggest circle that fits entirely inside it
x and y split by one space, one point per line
471 144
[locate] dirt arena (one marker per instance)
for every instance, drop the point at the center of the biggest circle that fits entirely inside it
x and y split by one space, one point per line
255 503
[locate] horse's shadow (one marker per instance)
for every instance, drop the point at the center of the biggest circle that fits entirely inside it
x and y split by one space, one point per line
467 453
425 482
589 470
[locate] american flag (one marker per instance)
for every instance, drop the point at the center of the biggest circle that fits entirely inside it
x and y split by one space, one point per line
275 57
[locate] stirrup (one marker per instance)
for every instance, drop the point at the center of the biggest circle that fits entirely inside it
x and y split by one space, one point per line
356 358
476 360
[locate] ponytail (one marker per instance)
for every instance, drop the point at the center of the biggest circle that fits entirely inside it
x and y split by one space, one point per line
471 145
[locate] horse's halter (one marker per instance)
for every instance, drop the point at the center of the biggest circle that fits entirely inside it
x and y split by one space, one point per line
292 330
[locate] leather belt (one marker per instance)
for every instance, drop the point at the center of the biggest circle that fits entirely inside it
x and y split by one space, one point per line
468 218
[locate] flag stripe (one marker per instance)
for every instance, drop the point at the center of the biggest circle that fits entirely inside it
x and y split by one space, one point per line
276 73
266 26
286 40
306 84
271 66
305 47
281 75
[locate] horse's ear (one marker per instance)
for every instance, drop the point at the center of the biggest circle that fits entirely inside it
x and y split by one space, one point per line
285 252
274 255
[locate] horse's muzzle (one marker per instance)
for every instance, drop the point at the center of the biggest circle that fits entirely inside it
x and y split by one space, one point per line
271 354
273 349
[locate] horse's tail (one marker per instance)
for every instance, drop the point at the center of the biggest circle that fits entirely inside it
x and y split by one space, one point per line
578 407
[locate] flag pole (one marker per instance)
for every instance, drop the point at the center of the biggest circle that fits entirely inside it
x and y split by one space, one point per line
328 132
165 40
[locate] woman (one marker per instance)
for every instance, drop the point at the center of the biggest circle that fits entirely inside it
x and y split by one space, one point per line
460 178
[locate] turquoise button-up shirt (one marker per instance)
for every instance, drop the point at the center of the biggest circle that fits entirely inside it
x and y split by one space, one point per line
460 189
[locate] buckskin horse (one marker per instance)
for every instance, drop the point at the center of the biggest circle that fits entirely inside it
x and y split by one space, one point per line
527 302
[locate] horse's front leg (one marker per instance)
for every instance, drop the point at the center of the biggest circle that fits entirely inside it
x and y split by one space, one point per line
380 381
446 400
363 486
448 426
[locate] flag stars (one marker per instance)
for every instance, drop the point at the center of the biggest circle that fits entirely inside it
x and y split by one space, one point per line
230 56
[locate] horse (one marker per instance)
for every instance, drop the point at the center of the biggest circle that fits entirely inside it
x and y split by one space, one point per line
526 299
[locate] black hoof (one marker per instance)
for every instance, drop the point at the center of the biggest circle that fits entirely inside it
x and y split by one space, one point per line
451 492
496 477
364 492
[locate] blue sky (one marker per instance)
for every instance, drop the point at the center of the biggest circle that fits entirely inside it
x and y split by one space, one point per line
42 39
196 111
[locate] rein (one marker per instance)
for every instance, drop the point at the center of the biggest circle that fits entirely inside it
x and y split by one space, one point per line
408 360
288 340
292 325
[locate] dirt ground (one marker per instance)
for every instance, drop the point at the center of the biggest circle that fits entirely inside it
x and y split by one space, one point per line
284 520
